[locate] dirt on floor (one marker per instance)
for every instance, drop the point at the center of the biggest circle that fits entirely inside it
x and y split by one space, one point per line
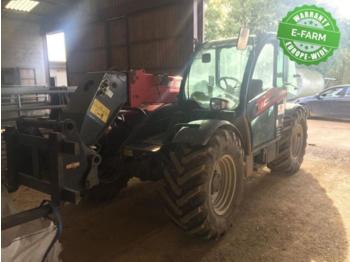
305 217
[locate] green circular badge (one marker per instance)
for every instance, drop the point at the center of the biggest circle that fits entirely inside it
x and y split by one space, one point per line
308 35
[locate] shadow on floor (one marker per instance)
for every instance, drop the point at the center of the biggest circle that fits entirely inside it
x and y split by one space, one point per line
281 219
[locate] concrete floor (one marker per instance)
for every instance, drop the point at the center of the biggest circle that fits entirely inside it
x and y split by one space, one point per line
305 217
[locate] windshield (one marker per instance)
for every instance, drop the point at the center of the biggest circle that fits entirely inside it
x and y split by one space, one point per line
217 72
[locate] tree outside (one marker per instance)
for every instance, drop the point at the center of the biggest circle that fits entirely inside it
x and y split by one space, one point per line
223 18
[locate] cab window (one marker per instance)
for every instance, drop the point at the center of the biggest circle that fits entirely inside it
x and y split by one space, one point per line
263 72
264 67
287 74
217 72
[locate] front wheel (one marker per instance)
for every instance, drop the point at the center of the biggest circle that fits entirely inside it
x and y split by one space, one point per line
292 144
203 186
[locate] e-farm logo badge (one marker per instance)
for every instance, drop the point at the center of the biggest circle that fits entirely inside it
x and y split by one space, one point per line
308 35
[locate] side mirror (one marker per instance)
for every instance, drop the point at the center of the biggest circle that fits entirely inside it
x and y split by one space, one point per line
243 38
206 58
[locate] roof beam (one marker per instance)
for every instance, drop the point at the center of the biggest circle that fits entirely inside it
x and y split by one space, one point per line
22 17
55 2
14 13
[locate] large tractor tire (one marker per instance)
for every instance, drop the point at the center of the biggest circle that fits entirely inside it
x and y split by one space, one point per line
292 144
203 186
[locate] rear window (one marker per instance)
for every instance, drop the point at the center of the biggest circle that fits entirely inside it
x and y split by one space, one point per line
347 92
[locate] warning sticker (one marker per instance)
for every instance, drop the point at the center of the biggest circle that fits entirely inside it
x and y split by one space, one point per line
100 111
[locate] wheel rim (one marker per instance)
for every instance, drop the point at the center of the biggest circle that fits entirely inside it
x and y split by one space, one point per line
222 186
297 141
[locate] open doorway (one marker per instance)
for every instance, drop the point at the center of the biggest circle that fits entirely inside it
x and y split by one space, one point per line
56 49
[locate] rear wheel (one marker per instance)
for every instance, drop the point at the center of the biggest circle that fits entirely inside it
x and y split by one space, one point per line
292 144
202 186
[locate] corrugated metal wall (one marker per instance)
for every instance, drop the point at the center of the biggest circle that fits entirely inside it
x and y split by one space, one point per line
156 35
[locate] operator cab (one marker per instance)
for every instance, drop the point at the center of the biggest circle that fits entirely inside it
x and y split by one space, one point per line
223 70
245 86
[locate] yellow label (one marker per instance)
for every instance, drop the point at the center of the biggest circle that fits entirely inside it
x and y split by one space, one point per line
100 110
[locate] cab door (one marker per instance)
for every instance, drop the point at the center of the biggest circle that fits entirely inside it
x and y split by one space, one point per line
264 97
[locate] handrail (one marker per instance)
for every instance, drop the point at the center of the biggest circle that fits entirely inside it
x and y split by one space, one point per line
32 90
16 100
38 107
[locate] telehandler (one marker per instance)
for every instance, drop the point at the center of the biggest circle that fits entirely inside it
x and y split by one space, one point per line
199 136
